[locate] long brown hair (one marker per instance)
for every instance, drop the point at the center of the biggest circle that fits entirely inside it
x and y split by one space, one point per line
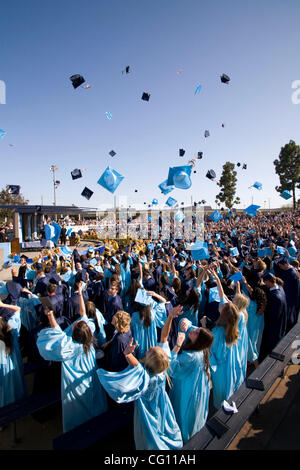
203 343
82 334
229 318
6 335
145 314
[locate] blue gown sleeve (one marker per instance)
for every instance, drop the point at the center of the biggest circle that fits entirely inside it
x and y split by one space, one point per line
160 313
55 345
125 386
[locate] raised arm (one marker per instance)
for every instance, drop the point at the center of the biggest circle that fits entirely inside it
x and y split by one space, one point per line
51 317
157 296
201 277
175 312
15 308
82 310
132 361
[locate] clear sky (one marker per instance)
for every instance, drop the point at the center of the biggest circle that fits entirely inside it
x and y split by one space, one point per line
43 43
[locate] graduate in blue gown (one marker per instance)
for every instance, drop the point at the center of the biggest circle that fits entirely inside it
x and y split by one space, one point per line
12 382
145 321
82 395
288 274
241 301
226 367
189 370
155 426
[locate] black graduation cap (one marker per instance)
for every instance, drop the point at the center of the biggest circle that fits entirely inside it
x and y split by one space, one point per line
206 134
200 155
77 80
76 174
244 166
146 96
135 190
112 153
145 202
127 70
211 174
203 201
87 193
238 164
181 152
223 125
225 78
195 171
14 189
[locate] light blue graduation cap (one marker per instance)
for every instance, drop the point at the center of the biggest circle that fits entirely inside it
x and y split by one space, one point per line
17 259
257 185
171 202
198 89
110 179
221 244
142 297
252 210
49 232
179 176
150 246
233 232
236 277
216 216
154 201
281 250
292 251
2 133
165 189
251 231
261 252
213 295
108 115
199 250
286 194
93 262
218 236
234 251
179 216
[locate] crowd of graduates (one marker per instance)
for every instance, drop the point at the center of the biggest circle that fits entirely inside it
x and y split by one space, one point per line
145 321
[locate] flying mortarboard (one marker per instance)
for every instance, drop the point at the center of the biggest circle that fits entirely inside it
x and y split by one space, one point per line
225 78
112 153
251 210
110 179
257 185
76 174
108 115
165 188
154 201
14 189
171 202
206 134
77 80
198 89
87 193
179 176
234 251
286 194
127 69
238 164
2 133
200 155
216 216
146 96
181 152
244 166
179 216
223 125
210 174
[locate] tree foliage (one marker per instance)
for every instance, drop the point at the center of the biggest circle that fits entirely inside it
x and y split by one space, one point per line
287 167
227 185
9 199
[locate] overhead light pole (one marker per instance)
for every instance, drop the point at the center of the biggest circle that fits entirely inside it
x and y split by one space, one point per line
56 183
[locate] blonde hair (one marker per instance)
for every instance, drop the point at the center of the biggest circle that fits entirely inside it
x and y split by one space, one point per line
229 318
242 303
156 361
260 265
121 321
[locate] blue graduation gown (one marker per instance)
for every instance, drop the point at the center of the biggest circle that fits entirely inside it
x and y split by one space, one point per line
226 368
255 326
292 293
147 337
190 390
82 395
243 343
155 426
12 382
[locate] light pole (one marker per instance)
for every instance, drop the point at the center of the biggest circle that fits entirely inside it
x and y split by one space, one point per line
56 183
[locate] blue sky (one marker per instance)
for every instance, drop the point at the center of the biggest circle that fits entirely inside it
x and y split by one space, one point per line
48 122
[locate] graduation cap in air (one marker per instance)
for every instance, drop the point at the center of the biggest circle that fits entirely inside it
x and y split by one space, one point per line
257 185
165 188
211 175
223 125
200 155
108 115
77 80
238 164
286 194
252 210
110 179
171 202
244 166
206 134
13 189
198 89
127 69
112 153
154 201
135 190
225 78
179 216
179 176
76 174
145 96
216 216
87 193
2 133
181 152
